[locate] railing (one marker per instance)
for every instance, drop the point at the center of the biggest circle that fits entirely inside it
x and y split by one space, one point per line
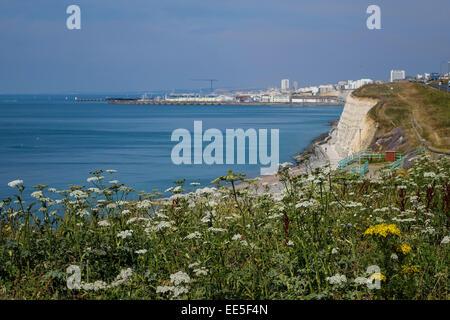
366 155
398 163
356 157
361 170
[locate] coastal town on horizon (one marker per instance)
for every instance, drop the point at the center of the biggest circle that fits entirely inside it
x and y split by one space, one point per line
289 93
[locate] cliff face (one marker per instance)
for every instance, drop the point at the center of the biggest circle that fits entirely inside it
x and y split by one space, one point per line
356 129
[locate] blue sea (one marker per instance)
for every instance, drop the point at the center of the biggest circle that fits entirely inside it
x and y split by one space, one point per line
55 141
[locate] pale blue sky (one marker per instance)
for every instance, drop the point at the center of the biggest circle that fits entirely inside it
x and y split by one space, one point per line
145 45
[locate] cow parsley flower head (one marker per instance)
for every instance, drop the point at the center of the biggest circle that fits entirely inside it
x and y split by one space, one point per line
194 235
144 204
37 194
162 225
193 265
164 289
104 223
285 165
123 277
445 240
429 175
179 277
95 179
201 271
337 279
361 280
79 194
236 237
125 234
212 229
111 205
14 183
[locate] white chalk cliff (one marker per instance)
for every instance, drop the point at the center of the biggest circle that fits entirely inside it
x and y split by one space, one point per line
354 131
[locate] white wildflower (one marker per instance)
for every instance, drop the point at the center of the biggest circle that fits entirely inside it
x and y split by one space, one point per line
164 289
429 175
79 194
216 229
361 280
125 234
37 194
194 235
205 191
97 285
142 251
161 225
95 179
104 223
306 204
144 204
83 213
445 240
337 279
236 237
111 205
179 277
14 183
179 291
201 271
193 265
286 165
123 277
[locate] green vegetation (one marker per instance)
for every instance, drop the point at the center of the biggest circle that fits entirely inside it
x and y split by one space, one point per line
322 238
402 102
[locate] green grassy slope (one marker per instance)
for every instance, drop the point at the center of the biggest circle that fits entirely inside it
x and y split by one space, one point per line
402 102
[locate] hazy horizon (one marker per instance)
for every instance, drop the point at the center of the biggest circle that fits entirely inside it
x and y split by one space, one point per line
143 46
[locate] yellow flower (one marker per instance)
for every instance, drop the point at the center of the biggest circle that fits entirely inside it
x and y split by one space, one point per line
411 270
377 276
383 230
403 173
404 248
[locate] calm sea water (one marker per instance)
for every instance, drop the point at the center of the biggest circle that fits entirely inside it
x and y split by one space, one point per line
53 141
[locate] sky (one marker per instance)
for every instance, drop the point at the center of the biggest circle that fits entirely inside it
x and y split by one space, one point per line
148 45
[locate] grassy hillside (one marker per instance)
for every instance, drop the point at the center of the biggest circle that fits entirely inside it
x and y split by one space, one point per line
403 102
